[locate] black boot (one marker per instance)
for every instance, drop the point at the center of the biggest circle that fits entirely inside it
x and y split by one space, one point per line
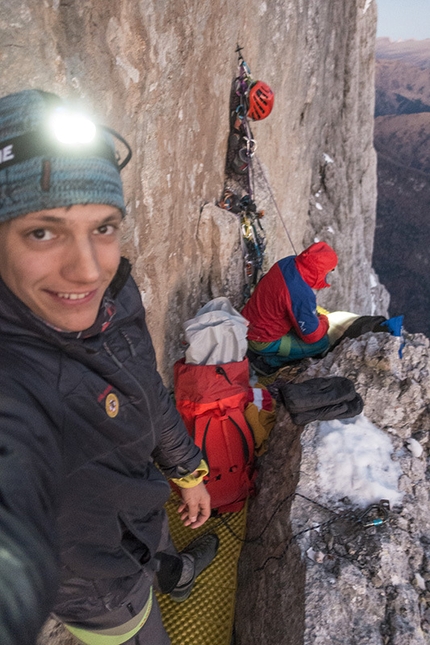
195 557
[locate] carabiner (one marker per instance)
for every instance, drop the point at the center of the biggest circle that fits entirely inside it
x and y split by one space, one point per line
251 146
379 511
240 111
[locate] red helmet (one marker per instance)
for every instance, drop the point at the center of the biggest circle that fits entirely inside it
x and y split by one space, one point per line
261 99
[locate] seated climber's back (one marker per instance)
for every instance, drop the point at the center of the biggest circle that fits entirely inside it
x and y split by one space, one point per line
282 310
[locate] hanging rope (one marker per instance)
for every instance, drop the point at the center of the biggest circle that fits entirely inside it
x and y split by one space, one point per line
275 203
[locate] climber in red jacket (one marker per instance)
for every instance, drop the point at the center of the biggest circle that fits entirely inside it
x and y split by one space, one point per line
283 321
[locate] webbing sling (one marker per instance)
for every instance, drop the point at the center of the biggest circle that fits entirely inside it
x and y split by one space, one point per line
113 635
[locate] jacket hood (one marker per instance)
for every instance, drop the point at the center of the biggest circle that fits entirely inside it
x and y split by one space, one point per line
314 263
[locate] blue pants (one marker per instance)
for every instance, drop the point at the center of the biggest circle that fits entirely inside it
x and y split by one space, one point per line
288 348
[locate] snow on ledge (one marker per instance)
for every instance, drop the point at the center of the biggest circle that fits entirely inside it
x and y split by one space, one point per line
354 461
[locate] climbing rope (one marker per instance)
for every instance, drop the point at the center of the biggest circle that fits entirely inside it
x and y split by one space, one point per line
374 515
272 196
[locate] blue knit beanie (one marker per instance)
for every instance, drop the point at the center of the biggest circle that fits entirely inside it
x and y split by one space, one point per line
38 173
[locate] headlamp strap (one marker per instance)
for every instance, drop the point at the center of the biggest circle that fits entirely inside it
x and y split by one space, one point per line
35 144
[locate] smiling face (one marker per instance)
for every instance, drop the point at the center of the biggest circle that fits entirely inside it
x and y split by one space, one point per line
59 262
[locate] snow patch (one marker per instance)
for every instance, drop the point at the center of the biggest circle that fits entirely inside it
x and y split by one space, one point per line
354 461
367 5
318 206
420 581
415 447
327 158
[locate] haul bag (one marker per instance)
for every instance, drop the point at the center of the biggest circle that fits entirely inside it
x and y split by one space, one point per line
211 400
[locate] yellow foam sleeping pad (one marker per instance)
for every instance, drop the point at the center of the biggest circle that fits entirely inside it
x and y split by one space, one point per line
207 617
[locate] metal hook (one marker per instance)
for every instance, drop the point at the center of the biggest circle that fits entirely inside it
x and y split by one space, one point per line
380 510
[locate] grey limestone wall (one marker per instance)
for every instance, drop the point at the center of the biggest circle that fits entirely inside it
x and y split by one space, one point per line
160 73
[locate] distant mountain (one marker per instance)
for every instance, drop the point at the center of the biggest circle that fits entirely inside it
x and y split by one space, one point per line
402 140
401 88
411 52
401 255
402 77
405 138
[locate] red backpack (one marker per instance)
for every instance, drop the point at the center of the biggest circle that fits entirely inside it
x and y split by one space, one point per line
211 400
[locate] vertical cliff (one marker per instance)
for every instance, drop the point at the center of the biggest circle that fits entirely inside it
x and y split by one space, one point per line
316 569
160 73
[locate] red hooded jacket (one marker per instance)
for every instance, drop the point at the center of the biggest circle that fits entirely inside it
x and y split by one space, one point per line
283 300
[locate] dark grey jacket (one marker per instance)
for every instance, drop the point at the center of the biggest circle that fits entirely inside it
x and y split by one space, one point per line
82 418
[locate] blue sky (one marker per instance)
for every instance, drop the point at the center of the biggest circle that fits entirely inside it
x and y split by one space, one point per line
403 19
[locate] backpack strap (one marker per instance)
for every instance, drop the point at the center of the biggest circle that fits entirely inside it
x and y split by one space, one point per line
202 425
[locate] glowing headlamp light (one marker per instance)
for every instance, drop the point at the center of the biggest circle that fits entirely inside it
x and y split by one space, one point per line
71 128
66 134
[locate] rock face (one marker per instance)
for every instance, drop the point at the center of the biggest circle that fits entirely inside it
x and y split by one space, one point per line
338 581
161 73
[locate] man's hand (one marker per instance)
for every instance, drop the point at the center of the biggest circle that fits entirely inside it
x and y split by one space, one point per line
196 506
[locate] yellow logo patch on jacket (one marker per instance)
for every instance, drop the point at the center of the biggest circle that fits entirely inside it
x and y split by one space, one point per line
112 405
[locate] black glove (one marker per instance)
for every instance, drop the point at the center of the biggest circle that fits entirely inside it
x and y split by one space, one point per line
344 410
316 393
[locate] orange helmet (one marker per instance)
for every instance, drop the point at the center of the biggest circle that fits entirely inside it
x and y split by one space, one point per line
261 99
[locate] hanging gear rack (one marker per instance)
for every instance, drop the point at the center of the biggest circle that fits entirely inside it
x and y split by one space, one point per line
250 101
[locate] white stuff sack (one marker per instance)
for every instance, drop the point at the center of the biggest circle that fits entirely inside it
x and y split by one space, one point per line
216 335
339 321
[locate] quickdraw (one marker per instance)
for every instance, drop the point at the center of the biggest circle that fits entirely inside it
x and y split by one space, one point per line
253 239
242 142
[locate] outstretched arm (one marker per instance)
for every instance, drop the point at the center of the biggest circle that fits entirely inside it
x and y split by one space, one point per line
28 580
29 476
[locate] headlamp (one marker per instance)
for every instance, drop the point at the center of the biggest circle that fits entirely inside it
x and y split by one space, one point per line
72 128
66 134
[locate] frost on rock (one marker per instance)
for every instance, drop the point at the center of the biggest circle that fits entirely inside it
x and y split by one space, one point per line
327 158
322 571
